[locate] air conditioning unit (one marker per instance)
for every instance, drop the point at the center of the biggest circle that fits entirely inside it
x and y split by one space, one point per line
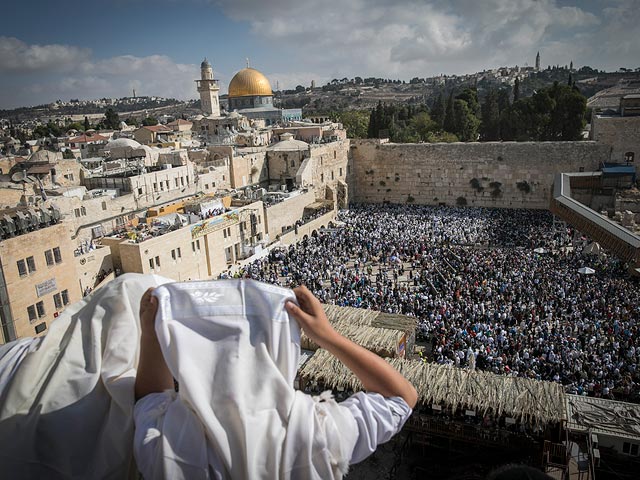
596 457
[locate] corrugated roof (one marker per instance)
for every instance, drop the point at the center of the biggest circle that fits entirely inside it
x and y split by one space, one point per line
601 416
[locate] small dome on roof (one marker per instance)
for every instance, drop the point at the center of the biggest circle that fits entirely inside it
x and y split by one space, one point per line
122 143
288 144
205 63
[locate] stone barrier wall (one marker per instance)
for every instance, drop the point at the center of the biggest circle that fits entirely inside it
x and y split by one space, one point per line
490 174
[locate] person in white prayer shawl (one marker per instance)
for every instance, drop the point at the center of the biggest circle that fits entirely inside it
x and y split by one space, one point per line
233 347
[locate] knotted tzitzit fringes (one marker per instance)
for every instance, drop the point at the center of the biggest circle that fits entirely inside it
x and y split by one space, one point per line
323 397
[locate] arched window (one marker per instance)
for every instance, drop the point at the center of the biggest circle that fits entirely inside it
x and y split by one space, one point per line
629 157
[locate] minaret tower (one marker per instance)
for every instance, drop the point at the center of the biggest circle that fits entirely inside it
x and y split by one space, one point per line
208 89
538 62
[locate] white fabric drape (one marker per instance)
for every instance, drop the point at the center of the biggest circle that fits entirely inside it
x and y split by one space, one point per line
66 406
234 351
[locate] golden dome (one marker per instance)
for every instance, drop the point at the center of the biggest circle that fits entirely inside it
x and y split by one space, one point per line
249 82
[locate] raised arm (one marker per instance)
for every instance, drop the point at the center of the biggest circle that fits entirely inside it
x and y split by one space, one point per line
153 375
375 374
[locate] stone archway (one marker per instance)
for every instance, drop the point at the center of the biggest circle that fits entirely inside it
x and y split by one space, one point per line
342 197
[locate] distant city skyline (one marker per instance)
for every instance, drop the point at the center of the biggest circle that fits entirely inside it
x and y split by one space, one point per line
71 49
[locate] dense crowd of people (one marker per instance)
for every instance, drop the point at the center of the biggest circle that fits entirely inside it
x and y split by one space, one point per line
492 289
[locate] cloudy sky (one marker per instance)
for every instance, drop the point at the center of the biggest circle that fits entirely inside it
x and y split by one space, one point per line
70 49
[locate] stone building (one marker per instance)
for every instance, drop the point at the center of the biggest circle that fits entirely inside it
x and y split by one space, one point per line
154 134
250 94
619 129
37 279
87 145
208 89
199 250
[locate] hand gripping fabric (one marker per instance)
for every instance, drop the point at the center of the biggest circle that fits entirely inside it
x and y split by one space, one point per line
234 350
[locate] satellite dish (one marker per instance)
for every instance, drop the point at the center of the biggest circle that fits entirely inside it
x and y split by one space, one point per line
19 176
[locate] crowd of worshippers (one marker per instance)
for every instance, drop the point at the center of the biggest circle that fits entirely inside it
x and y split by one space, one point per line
482 296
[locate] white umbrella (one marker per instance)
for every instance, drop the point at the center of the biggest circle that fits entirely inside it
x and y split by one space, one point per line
586 271
539 250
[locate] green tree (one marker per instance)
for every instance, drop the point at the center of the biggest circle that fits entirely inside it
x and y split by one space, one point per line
87 125
465 122
149 121
516 90
356 122
449 118
441 137
438 111
470 96
74 126
490 126
422 125
111 120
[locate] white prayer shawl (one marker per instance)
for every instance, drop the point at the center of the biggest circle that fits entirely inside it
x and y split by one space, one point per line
234 351
66 399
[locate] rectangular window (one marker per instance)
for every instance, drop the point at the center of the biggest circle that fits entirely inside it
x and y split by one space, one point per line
224 232
57 301
65 297
41 327
151 263
634 449
31 264
76 211
176 180
40 309
626 447
321 177
193 247
83 211
155 186
57 255
158 262
340 171
173 254
22 268
104 205
198 244
139 191
31 310
179 253
48 257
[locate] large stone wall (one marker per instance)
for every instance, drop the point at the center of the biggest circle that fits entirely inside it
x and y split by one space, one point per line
621 133
488 174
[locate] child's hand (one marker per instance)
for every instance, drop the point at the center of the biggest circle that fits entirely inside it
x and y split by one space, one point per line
310 316
148 309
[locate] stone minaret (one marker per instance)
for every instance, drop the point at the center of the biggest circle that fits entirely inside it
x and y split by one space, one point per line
538 62
208 89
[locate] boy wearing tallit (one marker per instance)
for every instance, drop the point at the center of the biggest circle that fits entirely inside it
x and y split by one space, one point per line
233 346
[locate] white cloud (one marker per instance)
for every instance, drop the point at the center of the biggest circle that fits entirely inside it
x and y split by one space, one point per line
17 56
411 37
87 78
